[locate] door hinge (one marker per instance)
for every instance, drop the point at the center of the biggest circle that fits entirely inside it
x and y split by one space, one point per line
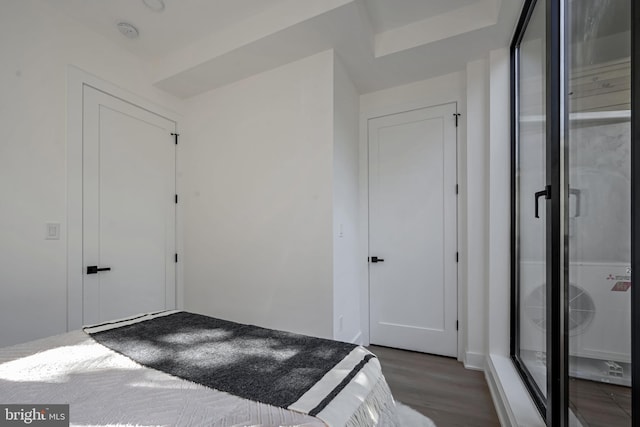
176 257
456 325
457 256
456 115
176 198
175 135
457 188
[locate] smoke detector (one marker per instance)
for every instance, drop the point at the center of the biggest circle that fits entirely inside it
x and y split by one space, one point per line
155 5
128 30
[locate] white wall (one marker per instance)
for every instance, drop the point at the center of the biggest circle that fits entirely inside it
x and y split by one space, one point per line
347 264
438 90
476 259
36 45
258 199
499 185
488 231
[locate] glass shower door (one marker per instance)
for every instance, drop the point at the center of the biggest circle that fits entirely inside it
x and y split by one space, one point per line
598 221
531 212
571 209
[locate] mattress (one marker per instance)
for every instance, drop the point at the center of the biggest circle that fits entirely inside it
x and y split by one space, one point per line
104 387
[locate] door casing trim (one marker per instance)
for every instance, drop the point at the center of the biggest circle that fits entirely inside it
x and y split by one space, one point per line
363 213
76 80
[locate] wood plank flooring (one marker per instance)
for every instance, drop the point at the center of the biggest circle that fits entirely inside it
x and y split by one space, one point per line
452 396
438 387
598 404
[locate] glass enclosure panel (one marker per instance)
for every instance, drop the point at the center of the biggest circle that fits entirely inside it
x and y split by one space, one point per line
598 224
531 178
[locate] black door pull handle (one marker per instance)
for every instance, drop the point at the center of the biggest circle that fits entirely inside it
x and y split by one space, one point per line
375 259
578 194
93 269
547 195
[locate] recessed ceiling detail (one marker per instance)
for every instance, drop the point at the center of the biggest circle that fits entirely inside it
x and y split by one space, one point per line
389 15
155 5
200 45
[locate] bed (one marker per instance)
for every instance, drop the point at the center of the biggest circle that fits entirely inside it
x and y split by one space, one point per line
178 368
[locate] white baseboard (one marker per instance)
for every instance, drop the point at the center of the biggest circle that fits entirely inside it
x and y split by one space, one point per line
357 339
510 397
475 361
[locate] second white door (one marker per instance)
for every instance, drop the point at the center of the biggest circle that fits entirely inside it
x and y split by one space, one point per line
412 230
128 209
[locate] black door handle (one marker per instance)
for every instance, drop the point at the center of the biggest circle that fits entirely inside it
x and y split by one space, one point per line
93 269
375 259
547 195
578 194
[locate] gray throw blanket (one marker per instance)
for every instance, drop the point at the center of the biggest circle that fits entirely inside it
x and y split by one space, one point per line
263 365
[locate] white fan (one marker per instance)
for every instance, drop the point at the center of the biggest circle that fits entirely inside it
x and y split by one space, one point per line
582 310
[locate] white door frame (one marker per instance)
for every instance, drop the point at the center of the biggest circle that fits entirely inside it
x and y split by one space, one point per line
363 214
77 79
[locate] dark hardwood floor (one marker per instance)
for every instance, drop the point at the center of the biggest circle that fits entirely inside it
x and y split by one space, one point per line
598 404
452 396
438 387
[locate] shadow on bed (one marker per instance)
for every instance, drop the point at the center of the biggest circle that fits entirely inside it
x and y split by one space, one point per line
268 366
205 371
106 389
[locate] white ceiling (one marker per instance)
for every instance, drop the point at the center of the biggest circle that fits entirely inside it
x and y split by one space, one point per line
181 23
198 45
391 14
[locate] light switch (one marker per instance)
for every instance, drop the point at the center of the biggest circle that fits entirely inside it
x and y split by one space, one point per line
52 231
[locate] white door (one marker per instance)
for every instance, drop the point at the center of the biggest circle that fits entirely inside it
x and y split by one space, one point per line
128 209
412 230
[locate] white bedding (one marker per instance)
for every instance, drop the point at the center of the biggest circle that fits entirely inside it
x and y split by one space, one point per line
106 388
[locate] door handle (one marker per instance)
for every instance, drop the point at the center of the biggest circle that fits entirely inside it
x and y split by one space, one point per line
375 259
547 195
578 194
93 269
